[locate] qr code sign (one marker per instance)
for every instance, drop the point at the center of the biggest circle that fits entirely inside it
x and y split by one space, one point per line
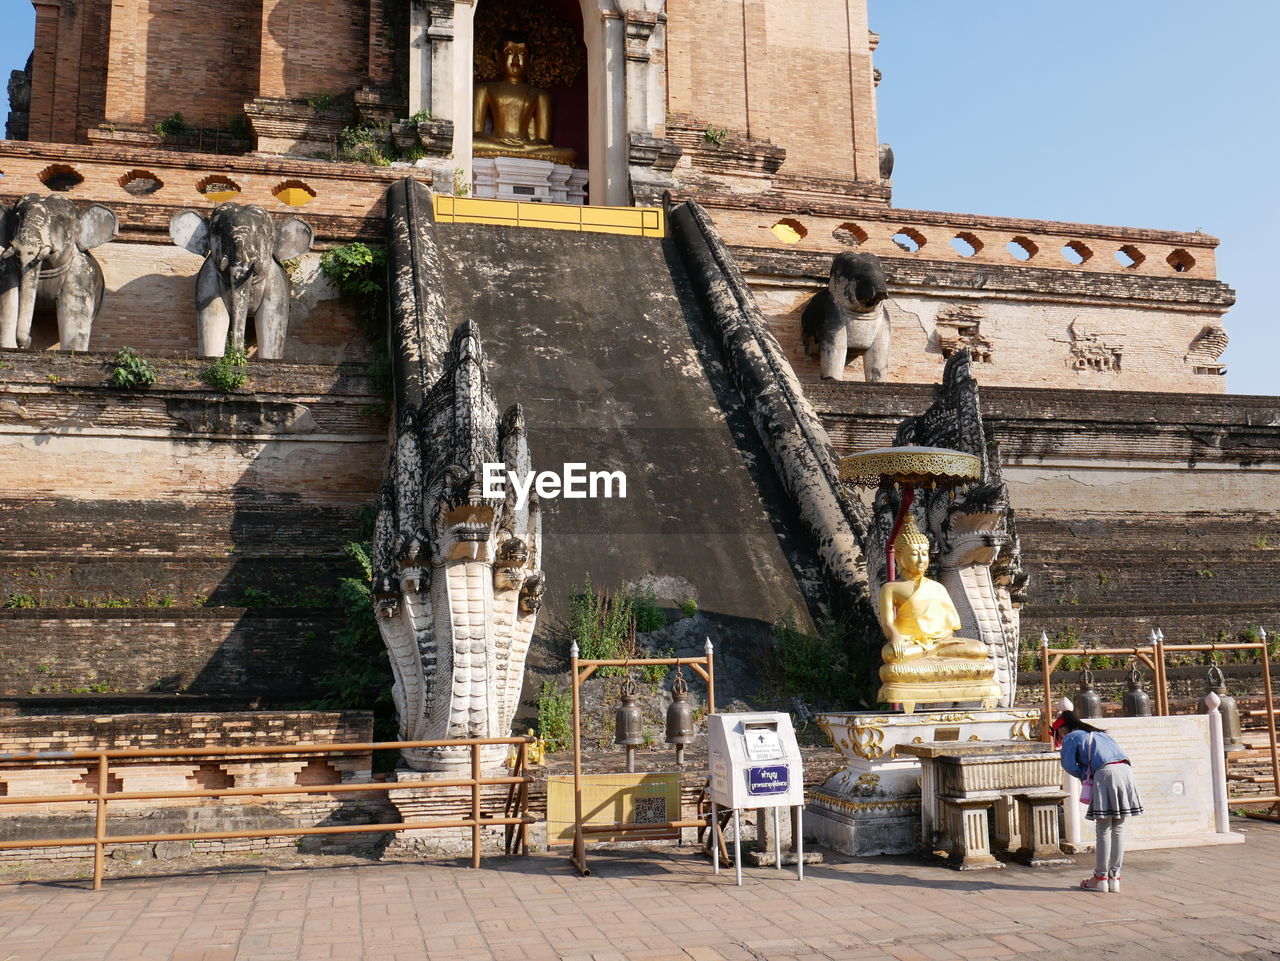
651 810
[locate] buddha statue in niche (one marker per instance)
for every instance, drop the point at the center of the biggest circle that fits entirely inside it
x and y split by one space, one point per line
924 660
512 118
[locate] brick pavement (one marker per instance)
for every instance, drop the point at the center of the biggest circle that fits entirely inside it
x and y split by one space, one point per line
1193 903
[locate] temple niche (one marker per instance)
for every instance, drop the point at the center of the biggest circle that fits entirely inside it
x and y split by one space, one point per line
529 111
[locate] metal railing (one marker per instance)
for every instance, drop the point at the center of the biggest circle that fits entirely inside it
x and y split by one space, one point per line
515 815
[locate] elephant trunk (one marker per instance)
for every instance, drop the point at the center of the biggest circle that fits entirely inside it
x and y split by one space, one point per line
241 277
30 259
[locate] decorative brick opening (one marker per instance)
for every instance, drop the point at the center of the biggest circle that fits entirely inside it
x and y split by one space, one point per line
910 239
89 782
1130 256
60 177
293 193
1022 248
966 244
209 776
218 188
789 231
318 771
1180 261
140 183
850 234
1077 252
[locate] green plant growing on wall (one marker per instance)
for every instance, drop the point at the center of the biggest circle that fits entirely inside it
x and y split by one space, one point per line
688 607
648 615
321 101
363 145
20 601
715 135
228 372
130 371
173 125
555 716
419 118
829 667
461 188
360 274
600 624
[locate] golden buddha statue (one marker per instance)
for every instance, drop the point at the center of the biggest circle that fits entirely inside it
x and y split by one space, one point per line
924 660
517 115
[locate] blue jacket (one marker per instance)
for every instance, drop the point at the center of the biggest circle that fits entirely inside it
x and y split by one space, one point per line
1075 753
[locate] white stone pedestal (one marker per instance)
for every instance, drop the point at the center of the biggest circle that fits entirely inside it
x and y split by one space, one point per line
532 181
872 805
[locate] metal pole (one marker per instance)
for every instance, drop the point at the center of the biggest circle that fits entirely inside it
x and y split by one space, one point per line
1271 718
631 759
100 823
799 845
737 844
777 837
475 805
715 840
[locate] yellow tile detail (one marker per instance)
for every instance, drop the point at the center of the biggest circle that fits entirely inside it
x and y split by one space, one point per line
629 221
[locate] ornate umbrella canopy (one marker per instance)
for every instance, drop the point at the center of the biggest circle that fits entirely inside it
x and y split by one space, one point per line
911 466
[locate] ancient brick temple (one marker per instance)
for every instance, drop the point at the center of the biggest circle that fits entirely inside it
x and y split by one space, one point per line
179 545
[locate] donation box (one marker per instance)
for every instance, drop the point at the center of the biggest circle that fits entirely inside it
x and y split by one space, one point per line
755 761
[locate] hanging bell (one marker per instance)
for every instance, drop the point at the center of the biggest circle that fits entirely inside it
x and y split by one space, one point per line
1227 708
1136 701
628 722
679 716
1087 702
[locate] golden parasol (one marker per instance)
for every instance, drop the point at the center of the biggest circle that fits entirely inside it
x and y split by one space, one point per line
909 467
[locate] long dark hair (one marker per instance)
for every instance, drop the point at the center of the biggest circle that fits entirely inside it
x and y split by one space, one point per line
1072 722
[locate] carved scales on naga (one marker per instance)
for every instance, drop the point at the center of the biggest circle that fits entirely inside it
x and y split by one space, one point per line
456 576
975 543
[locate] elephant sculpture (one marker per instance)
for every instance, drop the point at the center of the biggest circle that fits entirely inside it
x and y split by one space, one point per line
45 262
241 275
849 318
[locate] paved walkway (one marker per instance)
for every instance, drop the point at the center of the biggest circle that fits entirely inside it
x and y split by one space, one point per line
1193 903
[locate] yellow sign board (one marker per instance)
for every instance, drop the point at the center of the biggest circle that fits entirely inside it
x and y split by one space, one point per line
631 221
623 799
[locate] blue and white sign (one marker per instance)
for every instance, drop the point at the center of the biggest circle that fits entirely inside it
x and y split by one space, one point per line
768 779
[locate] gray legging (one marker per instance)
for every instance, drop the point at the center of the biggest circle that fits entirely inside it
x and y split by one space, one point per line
1109 850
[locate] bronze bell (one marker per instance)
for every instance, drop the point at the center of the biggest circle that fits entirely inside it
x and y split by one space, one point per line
628 722
1087 702
1228 709
1136 701
680 728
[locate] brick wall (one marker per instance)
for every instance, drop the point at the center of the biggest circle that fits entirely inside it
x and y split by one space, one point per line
313 48
798 74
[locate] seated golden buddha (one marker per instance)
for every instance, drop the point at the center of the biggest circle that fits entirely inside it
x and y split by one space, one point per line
512 118
924 661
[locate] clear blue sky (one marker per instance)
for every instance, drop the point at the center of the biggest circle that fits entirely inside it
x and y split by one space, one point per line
1151 113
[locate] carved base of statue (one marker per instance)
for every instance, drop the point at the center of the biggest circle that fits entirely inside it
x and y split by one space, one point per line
537 181
938 680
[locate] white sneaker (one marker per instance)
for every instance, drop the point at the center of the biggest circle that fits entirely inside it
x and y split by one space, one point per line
1097 882
1114 885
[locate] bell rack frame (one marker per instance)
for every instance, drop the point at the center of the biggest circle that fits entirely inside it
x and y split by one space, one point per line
1154 656
583 668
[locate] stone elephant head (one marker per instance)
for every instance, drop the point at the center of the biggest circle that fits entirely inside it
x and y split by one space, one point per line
45 262
243 247
848 319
